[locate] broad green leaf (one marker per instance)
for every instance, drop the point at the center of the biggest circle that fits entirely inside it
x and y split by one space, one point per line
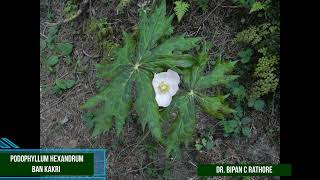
52 60
193 75
65 84
210 145
239 92
102 122
116 104
182 129
251 102
230 126
219 75
239 111
95 100
259 104
152 29
52 34
246 131
124 56
52 31
87 119
215 106
64 48
178 43
146 105
171 61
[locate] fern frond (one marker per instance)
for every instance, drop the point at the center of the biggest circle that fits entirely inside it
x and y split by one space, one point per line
266 74
180 9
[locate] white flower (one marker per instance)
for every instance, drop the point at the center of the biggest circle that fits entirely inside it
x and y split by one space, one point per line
165 85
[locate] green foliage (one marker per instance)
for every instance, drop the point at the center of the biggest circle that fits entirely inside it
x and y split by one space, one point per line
231 126
180 9
245 3
236 127
195 82
61 86
246 131
99 28
122 4
87 119
50 16
256 6
51 51
144 6
205 142
239 124
70 9
152 172
253 5
245 55
133 65
52 35
65 48
239 92
255 34
257 104
164 174
203 4
65 84
265 71
264 39
250 35
52 60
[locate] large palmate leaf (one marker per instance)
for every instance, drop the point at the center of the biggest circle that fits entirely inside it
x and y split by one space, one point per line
116 103
183 126
132 67
195 82
146 105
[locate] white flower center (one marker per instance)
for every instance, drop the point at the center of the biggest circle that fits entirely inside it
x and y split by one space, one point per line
164 87
136 66
191 93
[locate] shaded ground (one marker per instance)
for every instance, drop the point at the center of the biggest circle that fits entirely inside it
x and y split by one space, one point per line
134 156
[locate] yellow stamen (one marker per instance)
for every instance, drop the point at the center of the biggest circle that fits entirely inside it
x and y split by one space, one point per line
164 87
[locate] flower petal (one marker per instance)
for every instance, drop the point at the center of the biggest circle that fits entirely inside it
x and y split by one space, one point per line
174 87
157 80
173 76
163 100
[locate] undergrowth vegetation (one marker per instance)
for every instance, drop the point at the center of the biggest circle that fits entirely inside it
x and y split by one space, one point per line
226 89
263 41
125 78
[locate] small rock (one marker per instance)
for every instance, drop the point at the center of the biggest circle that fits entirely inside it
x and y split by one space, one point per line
64 120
